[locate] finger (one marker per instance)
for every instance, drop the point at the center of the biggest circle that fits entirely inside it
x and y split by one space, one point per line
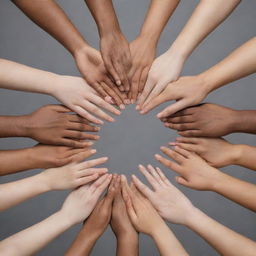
91 163
103 104
181 127
100 186
178 105
151 179
169 164
61 108
91 171
163 177
191 133
110 68
182 181
87 179
187 140
122 74
77 119
176 156
79 135
181 119
186 146
81 110
98 88
143 79
82 155
155 174
82 127
74 144
147 192
184 112
112 190
135 85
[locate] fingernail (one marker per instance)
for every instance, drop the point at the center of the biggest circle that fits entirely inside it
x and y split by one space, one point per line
132 101
137 107
166 124
157 156
142 111
118 82
122 106
89 143
140 166
159 115
93 151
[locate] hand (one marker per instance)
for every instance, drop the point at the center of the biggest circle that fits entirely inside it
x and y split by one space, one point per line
91 66
216 152
82 99
120 222
99 219
143 52
193 170
117 57
55 156
164 70
141 212
84 199
51 124
183 91
206 120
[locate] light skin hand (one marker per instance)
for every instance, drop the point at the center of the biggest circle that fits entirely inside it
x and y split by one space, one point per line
169 201
82 99
182 91
96 223
198 121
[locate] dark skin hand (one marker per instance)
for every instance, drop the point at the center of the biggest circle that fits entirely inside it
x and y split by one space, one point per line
211 120
40 157
96 223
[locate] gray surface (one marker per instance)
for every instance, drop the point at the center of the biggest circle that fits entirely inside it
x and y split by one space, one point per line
133 139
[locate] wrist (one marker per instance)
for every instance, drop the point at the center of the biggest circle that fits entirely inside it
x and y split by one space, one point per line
238 151
127 235
194 218
41 183
178 52
20 126
150 37
160 231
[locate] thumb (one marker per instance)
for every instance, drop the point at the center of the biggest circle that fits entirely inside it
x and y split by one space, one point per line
180 180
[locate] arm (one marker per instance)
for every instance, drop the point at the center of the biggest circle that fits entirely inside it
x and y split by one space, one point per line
96 223
146 219
175 207
167 68
50 17
143 48
66 177
195 173
71 91
114 47
83 200
240 63
219 152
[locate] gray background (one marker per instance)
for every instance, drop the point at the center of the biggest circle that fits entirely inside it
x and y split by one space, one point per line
132 139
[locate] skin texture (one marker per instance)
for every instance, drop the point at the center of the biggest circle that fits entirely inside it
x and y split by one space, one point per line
40 157
167 67
123 229
50 17
73 92
66 177
218 152
176 208
96 223
143 48
211 120
195 173
82 199
114 46
146 219
240 63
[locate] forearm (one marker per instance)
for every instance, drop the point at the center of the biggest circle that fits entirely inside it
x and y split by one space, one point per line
240 63
236 190
104 14
15 192
127 245
83 243
13 161
40 234
205 18
167 243
157 16
15 76
50 17
224 240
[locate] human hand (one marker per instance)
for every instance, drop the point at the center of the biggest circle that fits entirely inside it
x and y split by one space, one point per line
141 212
99 219
120 222
206 120
91 66
84 199
116 55
169 201
216 152
164 70
52 125
183 91
47 156
73 175
143 52
77 95
193 170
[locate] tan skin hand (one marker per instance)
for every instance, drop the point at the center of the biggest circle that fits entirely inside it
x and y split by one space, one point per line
206 120
216 152
52 124
55 156
91 66
193 170
143 53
